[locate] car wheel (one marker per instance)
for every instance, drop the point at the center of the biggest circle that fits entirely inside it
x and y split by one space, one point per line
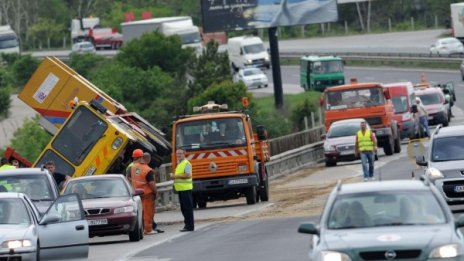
134 235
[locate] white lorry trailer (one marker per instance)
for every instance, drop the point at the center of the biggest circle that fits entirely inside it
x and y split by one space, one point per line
182 26
9 42
457 20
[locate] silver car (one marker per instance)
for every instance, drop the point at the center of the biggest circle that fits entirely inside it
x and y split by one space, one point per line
252 77
444 163
83 47
62 233
447 46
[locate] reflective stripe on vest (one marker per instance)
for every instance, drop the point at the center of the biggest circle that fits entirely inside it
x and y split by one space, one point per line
364 141
182 184
139 177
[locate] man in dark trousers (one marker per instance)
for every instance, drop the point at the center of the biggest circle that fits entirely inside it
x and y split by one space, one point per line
184 186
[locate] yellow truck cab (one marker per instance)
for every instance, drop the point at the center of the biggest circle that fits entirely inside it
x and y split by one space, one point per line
228 158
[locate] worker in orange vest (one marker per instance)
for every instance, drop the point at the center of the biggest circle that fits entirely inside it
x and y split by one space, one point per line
142 177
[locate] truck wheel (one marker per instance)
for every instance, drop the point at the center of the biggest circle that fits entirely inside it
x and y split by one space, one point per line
264 191
330 163
445 123
202 204
388 147
251 195
397 144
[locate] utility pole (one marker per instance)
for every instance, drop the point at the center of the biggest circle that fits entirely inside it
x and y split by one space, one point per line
275 65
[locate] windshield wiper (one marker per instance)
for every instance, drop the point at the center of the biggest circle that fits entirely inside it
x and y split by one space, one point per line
397 224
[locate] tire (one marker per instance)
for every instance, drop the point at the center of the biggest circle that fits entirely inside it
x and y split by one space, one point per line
134 235
251 195
202 204
388 148
445 123
264 192
329 163
397 144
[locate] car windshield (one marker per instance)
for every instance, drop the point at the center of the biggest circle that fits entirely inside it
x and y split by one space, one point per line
354 98
98 188
448 148
429 99
190 38
36 187
385 208
253 48
343 130
323 67
253 71
8 41
79 135
207 134
13 211
400 104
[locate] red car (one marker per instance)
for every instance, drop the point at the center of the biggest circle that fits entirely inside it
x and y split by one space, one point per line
111 206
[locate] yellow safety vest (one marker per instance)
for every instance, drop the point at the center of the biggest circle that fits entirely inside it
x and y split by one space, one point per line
364 141
7 166
182 184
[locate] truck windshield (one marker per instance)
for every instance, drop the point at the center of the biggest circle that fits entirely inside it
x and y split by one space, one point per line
354 98
79 135
190 38
62 166
400 104
8 41
323 67
253 48
213 133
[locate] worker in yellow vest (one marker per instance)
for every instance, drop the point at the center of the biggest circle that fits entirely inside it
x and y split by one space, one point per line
366 145
183 185
5 164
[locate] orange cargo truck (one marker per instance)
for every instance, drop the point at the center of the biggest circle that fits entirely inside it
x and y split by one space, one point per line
370 101
228 158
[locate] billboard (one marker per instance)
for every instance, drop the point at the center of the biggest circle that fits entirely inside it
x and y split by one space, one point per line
233 15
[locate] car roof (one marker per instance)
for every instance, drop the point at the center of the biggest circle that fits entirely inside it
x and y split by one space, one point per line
24 171
389 185
450 131
104 176
10 195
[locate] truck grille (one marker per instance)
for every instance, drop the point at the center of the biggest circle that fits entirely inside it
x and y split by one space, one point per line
223 168
374 121
382 255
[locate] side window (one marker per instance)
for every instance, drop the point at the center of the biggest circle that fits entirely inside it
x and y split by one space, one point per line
412 99
67 208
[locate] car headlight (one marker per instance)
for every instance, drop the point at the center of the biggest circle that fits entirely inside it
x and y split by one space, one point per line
406 116
116 143
16 243
446 251
124 209
434 173
249 61
334 256
328 147
266 58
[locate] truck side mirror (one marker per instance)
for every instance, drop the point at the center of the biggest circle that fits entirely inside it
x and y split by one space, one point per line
261 131
414 108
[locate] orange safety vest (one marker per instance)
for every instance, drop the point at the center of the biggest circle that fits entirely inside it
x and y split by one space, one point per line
139 177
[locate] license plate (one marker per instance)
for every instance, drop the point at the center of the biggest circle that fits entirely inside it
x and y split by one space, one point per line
458 189
346 152
238 181
96 222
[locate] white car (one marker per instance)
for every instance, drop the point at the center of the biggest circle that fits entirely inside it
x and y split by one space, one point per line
83 47
447 46
252 77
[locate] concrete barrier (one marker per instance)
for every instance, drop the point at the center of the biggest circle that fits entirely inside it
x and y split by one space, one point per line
282 164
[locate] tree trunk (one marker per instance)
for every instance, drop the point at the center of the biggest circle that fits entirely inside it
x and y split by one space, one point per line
360 16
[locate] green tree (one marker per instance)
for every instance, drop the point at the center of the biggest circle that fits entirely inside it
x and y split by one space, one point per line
300 112
211 67
22 69
46 30
85 63
30 139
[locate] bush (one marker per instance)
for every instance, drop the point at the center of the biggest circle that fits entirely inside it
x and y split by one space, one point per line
30 139
83 64
23 68
300 112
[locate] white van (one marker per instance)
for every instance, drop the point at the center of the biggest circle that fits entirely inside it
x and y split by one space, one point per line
245 51
9 42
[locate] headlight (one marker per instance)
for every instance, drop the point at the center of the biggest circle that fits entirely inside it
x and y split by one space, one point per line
266 58
328 147
124 210
334 256
16 243
434 173
249 61
447 251
406 116
116 143
243 168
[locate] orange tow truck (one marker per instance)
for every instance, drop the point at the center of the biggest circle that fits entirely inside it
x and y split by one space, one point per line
370 101
227 157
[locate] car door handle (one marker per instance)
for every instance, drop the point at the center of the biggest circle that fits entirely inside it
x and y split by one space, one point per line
80 227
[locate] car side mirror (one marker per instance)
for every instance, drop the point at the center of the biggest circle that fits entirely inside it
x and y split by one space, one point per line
138 192
48 219
308 228
414 108
420 160
460 221
323 136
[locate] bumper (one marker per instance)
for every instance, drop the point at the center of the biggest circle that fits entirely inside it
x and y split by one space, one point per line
227 183
336 157
436 118
19 255
117 224
257 84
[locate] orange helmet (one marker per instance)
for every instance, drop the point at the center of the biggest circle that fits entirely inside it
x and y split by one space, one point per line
137 153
